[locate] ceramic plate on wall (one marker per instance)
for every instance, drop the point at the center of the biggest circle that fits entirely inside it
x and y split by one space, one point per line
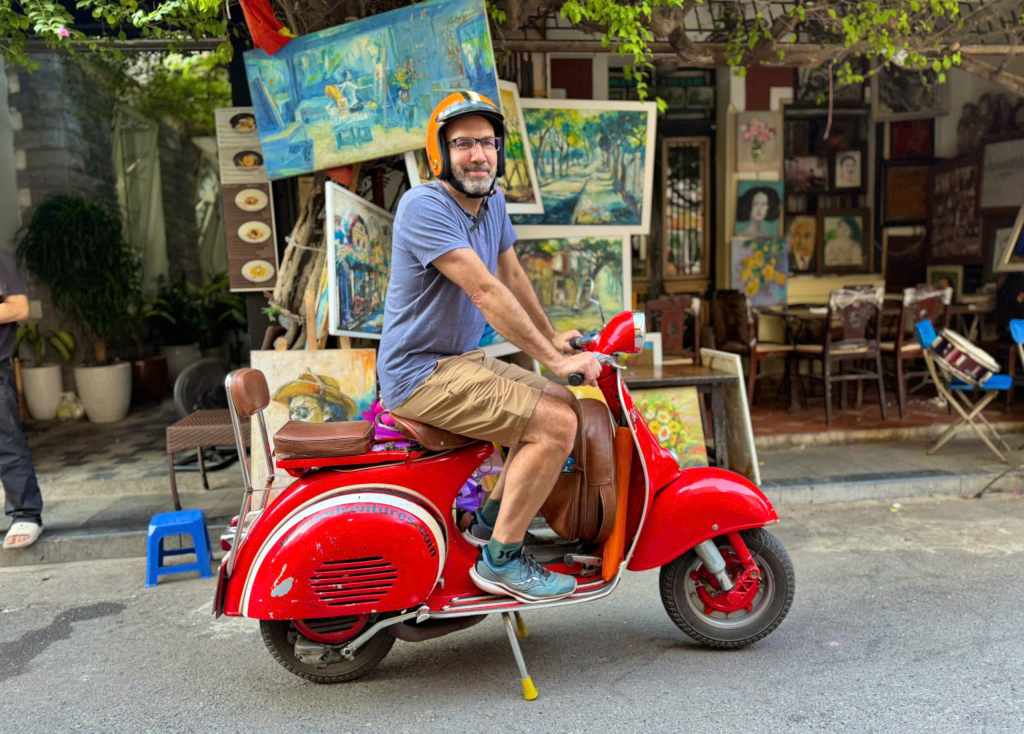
251 200
254 232
258 271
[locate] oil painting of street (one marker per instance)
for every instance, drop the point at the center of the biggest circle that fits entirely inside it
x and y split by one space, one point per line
579 281
365 89
595 165
359 253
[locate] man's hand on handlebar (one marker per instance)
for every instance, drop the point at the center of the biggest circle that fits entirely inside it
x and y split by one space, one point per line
584 364
561 341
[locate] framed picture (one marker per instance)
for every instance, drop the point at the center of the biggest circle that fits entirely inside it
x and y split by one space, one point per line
845 243
314 386
848 170
651 356
806 173
905 94
947 276
519 184
996 237
798 137
739 433
759 208
365 89
903 258
803 242
700 98
955 228
673 415
1002 174
911 139
760 269
359 261
1012 259
906 188
600 189
758 141
812 89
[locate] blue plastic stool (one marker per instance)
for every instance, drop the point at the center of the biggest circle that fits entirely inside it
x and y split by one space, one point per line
183 522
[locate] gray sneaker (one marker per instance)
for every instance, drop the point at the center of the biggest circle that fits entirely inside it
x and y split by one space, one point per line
521 578
478 533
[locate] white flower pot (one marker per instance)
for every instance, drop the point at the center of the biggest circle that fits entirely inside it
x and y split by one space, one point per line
43 386
178 358
106 392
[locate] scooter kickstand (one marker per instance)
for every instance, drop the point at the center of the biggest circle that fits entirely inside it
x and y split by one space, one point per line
522 631
529 690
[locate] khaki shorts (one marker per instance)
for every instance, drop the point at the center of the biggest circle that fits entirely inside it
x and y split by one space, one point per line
477 396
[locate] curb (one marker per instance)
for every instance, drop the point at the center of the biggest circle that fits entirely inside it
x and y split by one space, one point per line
95 544
871 435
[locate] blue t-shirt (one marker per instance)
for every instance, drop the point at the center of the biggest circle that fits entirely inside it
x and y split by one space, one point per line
427 317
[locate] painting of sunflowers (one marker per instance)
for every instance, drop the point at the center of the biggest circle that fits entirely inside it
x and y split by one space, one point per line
673 415
760 269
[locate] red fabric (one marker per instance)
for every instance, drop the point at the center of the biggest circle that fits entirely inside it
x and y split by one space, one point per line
263 26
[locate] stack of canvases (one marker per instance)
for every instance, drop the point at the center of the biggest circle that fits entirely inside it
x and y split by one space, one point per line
579 174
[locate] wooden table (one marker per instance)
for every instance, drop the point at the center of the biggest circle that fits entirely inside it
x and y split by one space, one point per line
705 379
197 431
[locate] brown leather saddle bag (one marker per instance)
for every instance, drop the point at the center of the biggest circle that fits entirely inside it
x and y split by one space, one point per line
582 504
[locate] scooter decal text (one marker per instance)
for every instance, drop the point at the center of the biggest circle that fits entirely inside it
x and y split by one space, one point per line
374 509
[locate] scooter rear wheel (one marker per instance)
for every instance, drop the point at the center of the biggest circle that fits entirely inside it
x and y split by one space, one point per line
680 595
279 637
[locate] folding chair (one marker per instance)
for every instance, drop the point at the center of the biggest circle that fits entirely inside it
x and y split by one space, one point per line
967 367
1017 332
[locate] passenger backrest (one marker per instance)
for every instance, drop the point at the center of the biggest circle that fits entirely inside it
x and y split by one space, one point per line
249 392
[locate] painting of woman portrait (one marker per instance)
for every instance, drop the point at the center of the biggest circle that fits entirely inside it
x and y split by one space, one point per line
759 208
846 247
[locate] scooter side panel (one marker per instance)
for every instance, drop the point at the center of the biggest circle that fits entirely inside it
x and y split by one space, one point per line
702 503
437 480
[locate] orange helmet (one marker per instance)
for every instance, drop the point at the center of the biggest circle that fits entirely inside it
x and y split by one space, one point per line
451 108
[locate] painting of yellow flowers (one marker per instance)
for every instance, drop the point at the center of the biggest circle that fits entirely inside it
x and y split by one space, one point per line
673 415
760 269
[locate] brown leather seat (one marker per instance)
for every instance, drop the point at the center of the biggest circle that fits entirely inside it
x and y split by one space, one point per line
430 437
301 440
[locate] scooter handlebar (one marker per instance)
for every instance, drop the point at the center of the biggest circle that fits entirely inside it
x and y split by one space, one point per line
576 379
576 343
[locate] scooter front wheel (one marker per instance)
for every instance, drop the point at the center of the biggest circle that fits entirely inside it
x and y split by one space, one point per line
280 635
689 593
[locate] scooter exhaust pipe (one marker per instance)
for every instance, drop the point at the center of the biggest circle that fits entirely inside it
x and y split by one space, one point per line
714 563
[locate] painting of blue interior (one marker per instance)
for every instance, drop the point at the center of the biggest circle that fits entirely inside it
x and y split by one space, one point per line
365 89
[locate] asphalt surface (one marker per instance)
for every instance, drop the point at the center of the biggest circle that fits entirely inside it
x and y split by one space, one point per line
906 621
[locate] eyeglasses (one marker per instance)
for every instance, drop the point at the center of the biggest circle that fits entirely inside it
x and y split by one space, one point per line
467 144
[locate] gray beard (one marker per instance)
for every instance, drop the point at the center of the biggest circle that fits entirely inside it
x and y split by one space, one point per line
472 186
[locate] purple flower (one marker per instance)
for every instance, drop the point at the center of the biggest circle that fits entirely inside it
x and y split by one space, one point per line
64 32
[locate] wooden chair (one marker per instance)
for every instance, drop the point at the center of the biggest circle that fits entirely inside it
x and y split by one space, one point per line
925 302
735 325
858 312
667 315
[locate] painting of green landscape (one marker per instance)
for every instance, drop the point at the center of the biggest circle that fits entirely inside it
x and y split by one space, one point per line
595 166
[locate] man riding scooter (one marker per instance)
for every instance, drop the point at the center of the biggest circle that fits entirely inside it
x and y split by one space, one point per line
453 270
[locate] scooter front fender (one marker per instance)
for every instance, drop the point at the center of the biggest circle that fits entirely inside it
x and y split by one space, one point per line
702 503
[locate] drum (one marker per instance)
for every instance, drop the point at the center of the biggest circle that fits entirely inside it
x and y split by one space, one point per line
962 359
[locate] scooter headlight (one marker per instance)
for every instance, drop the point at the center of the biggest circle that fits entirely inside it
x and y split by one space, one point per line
640 329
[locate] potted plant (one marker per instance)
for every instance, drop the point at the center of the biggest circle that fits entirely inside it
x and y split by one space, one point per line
77 249
42 382
149 371
176 316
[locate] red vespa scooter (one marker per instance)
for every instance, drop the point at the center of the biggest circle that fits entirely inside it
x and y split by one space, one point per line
363 548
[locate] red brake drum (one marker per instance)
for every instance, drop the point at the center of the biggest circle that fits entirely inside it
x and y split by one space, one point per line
357 553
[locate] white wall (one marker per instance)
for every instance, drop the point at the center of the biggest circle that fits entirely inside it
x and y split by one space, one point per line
10 212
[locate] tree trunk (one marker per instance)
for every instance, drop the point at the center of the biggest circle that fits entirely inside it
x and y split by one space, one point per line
978 68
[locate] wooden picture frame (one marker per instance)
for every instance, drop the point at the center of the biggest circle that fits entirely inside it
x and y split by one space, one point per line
670 212
906 252
992 225
910 139
843 177
1013 259
954 274
843 246
906 192
1001 179
954 227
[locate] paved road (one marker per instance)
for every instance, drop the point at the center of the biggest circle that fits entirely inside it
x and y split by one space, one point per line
904 621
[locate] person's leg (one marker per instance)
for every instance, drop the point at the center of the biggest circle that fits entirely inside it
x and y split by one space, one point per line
24 501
